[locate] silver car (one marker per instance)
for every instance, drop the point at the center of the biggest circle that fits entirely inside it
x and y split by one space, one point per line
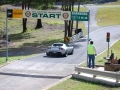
60 49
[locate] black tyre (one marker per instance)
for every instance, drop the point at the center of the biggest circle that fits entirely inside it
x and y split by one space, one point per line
47 54
72 52
66 54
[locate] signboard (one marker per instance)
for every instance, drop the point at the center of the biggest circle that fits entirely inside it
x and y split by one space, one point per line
17 13
40 14
80 16
9 13
67 39
14 13
44 14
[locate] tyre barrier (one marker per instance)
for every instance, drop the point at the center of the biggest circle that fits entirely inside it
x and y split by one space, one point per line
76 37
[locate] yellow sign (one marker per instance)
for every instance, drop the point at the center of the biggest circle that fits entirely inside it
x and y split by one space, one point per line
17 13
67 39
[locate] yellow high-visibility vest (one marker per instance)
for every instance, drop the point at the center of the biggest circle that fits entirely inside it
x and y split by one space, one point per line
91 49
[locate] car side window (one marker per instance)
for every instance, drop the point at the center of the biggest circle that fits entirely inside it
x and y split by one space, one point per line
60 44
67 45
57 44
54 45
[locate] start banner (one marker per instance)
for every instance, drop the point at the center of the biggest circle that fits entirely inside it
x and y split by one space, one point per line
43 14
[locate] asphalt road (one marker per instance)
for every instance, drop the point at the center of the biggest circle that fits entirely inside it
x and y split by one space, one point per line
40 71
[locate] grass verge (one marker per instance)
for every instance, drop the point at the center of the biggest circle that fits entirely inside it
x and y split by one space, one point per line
108 16
76 84
116 2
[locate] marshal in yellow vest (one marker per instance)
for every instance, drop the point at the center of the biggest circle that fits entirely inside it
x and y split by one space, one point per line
91 49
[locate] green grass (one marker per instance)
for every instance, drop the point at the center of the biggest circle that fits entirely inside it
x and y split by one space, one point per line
115 50
82 9
53 22
2 14
113 3
39 36
108 16
75 84
14 58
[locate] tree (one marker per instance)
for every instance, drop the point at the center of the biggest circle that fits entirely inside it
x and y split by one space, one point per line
24 20
1 2
78 11
44 5
68 5
25 6
39 22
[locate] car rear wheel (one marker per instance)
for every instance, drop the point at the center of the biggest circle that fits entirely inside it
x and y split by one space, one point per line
47 54
72 52
66 54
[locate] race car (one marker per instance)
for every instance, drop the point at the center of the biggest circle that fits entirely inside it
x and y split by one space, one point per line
60 49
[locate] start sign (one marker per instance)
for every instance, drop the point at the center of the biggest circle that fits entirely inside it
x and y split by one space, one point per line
41 14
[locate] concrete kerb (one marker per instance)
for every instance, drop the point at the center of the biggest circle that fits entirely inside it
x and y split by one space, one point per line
54 84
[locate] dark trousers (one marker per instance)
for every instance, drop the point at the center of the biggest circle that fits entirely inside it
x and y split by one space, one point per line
91 61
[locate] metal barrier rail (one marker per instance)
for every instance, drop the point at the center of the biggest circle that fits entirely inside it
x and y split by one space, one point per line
97 76
76 37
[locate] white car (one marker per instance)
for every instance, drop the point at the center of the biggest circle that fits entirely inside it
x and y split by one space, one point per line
60 49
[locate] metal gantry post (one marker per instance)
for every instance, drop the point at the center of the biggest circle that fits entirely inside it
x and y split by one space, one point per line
6 36
88 35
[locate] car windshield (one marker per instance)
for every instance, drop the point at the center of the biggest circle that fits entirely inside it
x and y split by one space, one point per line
57 44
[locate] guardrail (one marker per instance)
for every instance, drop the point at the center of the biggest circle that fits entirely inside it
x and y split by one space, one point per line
106 77
76 37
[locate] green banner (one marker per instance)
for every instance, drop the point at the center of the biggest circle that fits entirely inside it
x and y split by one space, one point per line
80 16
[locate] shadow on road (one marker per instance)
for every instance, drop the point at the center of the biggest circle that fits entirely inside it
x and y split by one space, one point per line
83 40
31 76
54 56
